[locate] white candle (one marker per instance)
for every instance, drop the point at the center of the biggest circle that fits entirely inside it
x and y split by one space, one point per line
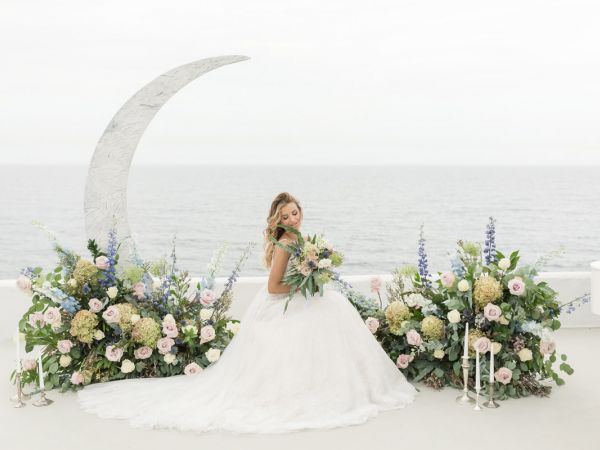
492 364
40 371
466 352
18 351
477 374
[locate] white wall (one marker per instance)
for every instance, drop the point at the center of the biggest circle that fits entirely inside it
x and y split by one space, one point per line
568 284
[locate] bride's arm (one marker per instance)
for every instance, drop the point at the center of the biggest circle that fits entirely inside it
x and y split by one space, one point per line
278 266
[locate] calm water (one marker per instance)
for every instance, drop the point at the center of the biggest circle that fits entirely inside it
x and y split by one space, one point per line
372 214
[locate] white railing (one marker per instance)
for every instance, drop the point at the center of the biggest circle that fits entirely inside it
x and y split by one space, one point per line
568 284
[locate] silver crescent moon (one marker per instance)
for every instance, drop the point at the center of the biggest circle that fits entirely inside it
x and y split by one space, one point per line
105 203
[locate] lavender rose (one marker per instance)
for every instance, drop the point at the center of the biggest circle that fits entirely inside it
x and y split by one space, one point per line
95 305
404 360
503 375
37 319
207 297
170 329
76 378
112 314
372 324
164 345
414 338
64 346
516 286
139 290
102 262
142 352
113 353
447 279
52 315
482 344
547 347
24 283
492 312
28 364
192 369
375 284
207 334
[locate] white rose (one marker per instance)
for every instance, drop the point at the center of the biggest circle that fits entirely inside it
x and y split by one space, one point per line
127 366
64 360
438 353
112 292
525 355
454 316
156 283
72 282
504 264
170 358
496 347
463 285
234 327
168 319
213 354
206 313
324 263
98 335
134 318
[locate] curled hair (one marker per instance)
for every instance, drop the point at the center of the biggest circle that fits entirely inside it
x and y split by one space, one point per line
273 220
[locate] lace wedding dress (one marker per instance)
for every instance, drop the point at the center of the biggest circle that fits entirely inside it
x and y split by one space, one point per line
316 366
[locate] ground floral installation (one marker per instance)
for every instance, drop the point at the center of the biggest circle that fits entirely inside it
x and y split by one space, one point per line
422 327
99 320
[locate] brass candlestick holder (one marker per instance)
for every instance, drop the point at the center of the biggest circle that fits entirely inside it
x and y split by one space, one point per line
491 403
43 401
19 396
465 398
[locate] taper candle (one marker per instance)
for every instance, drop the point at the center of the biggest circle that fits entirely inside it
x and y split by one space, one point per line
40 370
492 364
477 373
18 351
466 352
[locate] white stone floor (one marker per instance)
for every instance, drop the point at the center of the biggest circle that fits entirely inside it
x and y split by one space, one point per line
568 419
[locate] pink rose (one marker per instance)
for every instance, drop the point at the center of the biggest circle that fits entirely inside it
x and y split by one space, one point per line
503 375
192 369
447 279
170 329
375 284
52 315
492 312
139 290
403 361
76 378
112 314
414 338
95 305
164 345
207 297
142 352
482 344
113 353
64 346
547 347
372 324
24 283
28 364
102 262
37 319
516 286
207 334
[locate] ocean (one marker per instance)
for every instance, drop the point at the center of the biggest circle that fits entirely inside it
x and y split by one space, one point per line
372 214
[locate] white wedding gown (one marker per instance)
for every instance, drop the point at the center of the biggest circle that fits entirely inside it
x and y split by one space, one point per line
316 366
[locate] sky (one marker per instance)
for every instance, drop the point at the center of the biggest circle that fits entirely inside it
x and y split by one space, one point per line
328 82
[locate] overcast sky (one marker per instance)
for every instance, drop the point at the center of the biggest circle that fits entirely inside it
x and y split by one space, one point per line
415 82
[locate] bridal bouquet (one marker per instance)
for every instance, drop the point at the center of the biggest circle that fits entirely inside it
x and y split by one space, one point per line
310 265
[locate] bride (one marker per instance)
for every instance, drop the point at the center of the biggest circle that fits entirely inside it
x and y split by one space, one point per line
316 366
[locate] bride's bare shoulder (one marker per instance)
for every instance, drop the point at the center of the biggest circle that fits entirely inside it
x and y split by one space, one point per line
287 238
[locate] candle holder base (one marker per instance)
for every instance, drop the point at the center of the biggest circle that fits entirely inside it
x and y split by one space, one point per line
477 407
465 399
491 403
43 400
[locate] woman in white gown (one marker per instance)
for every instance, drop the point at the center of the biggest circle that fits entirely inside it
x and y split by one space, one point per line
316 366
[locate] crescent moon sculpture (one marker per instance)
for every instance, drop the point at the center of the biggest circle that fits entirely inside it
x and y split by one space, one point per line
105 204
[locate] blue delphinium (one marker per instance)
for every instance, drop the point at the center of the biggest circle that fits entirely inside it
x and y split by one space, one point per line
70 305
457 266
423 268
110 277
489 249
574 304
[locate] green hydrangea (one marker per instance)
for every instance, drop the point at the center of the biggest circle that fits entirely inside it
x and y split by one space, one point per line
395 313
487 290
432 327
84 325
126 310
133 274
85 272
471 248
146 332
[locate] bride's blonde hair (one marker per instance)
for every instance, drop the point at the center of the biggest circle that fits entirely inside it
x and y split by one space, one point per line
273 220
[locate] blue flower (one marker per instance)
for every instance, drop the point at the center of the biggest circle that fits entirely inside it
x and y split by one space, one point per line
423 267
70 305
85 289
489 249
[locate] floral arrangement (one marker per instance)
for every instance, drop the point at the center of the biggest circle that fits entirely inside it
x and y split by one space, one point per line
99 320
422 327
310 265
